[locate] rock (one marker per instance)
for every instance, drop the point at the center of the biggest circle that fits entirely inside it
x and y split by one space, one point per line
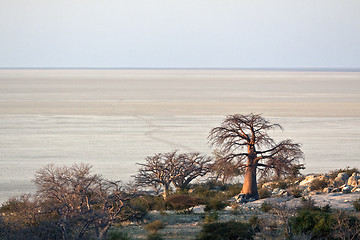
356 189
335 190
240 198
199 209
307 181
327 190
354 180
268 185
341 179
347 189
275 191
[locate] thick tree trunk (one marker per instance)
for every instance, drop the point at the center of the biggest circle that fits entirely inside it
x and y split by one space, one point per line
166 191
250 184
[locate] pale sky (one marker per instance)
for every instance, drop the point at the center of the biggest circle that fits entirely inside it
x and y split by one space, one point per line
180 33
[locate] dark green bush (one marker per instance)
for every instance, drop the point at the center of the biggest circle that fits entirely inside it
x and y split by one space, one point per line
148 202
215 204
233 189
181 201
264 193
318 224
231 230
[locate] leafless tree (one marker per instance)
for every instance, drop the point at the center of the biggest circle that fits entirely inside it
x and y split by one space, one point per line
245 139
82 200
190 166
170 168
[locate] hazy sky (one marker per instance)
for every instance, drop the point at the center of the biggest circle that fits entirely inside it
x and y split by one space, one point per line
180 33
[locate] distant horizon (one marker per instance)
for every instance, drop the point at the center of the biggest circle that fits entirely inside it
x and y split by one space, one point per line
193 68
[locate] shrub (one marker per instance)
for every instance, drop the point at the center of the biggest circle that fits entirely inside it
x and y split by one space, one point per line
234 189
117 235
154 226
230 230
266 207
308 204
215 204
319 184
211 217
296 192
281 184
148 202
356 204
264 193
181 201
315 223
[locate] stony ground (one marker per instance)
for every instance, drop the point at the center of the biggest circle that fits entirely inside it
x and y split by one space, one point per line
187 226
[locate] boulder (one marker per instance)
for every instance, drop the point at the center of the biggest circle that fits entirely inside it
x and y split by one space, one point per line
354 180
199 209
327 190
341 179
347 189
308 179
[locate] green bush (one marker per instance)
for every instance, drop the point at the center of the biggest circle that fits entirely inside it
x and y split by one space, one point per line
233 189
154 226
318 224
264 193
356 204
215 204
148 202
230 230
181 201
211 217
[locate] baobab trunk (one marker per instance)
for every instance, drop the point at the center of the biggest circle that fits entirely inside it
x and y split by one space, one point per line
166 191
250 185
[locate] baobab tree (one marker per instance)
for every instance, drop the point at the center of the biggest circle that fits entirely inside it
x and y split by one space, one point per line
166 169
245 140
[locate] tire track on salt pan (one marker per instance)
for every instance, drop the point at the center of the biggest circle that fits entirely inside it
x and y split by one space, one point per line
156 129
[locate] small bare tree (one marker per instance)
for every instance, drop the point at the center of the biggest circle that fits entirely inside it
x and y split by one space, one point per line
245 139
83 201
170 168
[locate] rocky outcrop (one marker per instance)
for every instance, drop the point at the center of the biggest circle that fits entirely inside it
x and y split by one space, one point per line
354 180
341 179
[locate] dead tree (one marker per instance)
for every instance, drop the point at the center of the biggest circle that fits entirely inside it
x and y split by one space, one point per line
245 139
